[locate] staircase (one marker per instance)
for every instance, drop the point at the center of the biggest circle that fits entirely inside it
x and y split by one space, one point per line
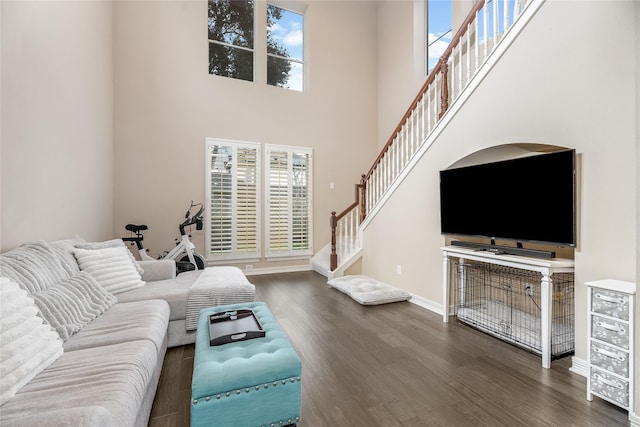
485 34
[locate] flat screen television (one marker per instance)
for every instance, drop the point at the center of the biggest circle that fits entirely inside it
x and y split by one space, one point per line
527 199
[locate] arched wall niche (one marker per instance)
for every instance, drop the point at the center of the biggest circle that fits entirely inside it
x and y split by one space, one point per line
505 152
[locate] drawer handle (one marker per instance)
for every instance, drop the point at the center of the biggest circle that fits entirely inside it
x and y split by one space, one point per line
612 328
607 298
610 383
610 354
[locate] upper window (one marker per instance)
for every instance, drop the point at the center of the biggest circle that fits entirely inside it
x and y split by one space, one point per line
285 36
439 34
232 27
231 38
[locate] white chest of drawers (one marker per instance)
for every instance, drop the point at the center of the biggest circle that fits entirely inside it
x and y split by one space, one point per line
610 305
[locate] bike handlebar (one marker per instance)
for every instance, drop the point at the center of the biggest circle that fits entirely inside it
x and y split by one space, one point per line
195 219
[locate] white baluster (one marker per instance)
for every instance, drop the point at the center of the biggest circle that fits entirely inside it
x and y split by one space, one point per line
516 10
505 17
429 117
460 74
477 42
495 23
485 30
468 53
423 117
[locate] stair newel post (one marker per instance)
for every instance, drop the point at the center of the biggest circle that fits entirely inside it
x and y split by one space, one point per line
444 90
333 258
363 197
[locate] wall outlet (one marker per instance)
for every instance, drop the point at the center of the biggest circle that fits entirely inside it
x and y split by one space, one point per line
398 269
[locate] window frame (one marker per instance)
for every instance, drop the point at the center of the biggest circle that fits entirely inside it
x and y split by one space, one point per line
289 253
242 48
299 10
235 253
259 52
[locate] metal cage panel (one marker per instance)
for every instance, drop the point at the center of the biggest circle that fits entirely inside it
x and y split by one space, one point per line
505 302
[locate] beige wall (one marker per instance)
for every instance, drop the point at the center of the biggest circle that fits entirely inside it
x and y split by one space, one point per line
166 104
57 121
401 35
548 88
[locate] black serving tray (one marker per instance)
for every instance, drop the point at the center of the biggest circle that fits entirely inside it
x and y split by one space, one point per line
234 325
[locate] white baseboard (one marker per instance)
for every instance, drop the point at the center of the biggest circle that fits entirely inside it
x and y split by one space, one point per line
579 366
274 270
426 303
634 420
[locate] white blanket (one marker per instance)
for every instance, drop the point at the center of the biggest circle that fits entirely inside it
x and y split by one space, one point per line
217 286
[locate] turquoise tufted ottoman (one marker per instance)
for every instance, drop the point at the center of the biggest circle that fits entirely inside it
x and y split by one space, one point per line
246 383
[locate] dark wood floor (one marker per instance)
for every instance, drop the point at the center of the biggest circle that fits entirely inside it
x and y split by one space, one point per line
399 365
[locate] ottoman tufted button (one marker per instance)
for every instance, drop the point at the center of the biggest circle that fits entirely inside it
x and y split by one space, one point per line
208 398
228 393
218 396
266 386
275 383
195 401
247 390
237 391
257 387
284 382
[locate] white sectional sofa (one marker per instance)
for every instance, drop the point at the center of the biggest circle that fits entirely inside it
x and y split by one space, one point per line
83 332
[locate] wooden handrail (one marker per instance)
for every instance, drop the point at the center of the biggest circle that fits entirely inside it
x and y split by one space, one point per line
440 66
441 69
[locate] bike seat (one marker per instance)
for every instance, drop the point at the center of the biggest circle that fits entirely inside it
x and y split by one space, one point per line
135 228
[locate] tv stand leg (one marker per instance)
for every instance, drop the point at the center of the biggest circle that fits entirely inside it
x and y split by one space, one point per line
445 288
546 289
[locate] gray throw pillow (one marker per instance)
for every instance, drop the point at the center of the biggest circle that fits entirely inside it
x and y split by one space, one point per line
73 303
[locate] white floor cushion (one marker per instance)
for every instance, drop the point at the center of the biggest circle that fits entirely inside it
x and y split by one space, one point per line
368 291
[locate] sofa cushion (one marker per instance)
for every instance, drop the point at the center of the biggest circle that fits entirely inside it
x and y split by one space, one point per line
28 345
34 266
174 291
111 267
64 250
143 320
114 377
113 243
73 303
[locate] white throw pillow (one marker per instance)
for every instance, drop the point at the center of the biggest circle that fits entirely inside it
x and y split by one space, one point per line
28 344
111 267
113 243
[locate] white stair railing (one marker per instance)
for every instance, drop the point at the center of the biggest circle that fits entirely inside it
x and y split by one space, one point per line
478 36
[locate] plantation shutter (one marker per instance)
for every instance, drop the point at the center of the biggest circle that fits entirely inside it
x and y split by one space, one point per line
233 204
288 207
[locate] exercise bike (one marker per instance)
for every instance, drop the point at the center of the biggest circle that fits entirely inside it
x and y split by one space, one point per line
184 253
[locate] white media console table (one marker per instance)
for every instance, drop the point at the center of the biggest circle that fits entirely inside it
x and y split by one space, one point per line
546 267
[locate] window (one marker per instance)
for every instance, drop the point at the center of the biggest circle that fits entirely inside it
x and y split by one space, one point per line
439 23
288 206
285 35
233 208
230 27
